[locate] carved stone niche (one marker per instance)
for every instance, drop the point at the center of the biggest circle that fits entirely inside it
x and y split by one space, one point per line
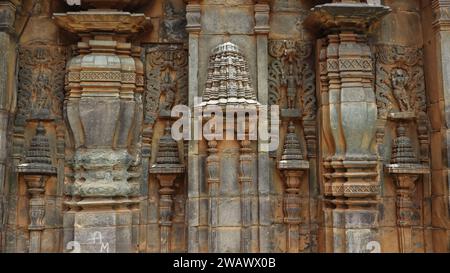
292 85
292 79
401 99
41 82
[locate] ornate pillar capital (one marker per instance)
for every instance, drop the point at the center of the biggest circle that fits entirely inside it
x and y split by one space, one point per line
193 17
262 11
441 14
8 15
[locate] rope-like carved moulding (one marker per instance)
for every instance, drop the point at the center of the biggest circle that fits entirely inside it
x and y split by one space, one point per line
36 169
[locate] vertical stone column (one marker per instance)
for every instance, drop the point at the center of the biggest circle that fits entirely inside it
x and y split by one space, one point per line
406 171
36 170
440 64
7 91
102 105
262 15
293 166
195 231
438 68
402 111
352 187
168 166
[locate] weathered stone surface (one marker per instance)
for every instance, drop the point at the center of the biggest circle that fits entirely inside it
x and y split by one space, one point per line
88 162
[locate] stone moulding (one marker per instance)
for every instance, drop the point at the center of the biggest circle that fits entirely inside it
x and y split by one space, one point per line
102 21
112 4
356 16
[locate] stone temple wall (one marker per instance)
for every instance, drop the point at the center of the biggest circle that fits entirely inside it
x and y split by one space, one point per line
89 163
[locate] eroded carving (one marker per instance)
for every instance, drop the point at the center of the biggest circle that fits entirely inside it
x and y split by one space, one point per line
41 82
400 80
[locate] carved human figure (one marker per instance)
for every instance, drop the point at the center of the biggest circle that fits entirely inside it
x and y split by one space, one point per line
399 79
168 89
291 81
42 93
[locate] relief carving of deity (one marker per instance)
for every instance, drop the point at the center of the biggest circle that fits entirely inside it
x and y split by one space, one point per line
399 79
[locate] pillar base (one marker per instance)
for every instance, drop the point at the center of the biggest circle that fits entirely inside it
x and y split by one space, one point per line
100 231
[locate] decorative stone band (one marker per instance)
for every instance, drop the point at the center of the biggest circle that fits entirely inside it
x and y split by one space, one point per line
140 80
352 190
441 14
167 169
104 76
33 168
73 76
407 169
293 165
332 65
355 64
128 77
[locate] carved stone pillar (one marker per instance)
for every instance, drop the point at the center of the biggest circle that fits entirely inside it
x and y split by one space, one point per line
352 185
103 105
7 86
293 166
262 27
440 63
168 166
213 180
406 170
195 226
36 170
